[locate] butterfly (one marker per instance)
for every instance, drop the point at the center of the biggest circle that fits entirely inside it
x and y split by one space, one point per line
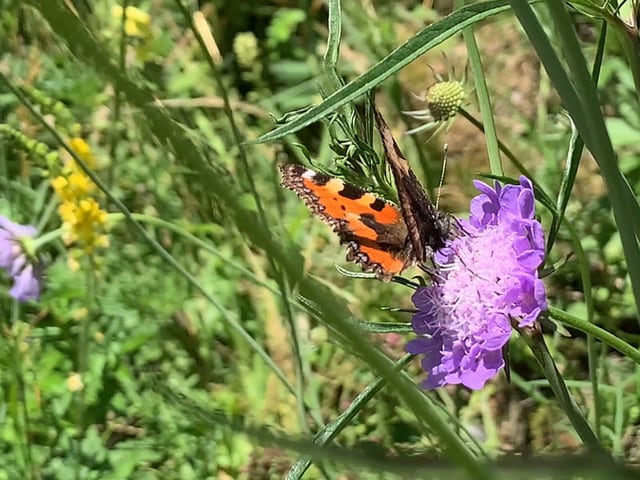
380 237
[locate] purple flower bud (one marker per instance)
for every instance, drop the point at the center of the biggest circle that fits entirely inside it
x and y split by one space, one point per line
484 278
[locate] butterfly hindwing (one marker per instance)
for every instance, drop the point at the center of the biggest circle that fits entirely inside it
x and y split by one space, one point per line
373 229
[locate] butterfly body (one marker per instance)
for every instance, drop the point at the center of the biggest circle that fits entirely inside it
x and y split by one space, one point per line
428 227
380 236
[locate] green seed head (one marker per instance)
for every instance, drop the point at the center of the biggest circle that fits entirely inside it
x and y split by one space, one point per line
444 99
245 46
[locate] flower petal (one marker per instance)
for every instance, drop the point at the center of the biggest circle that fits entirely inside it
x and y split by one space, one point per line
15 229
26 285
483 369
16 261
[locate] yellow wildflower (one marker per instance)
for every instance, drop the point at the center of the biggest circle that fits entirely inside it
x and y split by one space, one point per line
137 23
80 313
77 185
83 221
72 261
83 150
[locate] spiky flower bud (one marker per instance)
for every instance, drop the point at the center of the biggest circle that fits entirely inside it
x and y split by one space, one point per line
444 99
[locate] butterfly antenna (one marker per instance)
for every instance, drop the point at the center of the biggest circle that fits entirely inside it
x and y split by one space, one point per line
444 168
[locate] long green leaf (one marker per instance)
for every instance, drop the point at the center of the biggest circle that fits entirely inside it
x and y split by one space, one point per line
406 53
333 428
333 44
580 98
624 202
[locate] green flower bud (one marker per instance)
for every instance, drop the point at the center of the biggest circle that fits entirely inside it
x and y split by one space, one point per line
245 47
444 100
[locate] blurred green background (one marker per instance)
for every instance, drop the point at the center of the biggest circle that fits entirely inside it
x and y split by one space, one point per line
127 368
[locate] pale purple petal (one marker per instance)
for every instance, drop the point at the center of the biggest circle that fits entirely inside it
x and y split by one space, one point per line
498 331
423 323
420 345
6 255
421 299
17 265
526 204
15 229
485 366
526 183
527 297
26 275
509 200
485 207
530 259
26 285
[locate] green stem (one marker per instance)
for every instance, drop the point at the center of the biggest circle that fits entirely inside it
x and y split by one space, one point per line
501 145
47 237
585 275
22 424
484 101
536 343
332 429
597 332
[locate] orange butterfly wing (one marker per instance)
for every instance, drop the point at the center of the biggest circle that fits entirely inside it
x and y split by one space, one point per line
373 229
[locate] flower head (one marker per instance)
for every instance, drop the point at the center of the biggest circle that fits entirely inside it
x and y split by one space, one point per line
16 260
486 277
83 220
444 100
137 22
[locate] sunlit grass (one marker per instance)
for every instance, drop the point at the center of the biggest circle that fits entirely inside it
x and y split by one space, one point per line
214 335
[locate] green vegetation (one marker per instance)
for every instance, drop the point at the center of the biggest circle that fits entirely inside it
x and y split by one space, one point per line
192 321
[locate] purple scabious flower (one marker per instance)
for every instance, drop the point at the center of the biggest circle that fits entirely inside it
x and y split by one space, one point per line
485 277
17 262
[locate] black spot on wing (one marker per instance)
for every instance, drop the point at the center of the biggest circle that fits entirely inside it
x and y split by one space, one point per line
392 236
351 192
378 205
321 179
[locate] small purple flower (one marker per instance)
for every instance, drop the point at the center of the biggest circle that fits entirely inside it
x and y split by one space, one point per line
17 262
486 276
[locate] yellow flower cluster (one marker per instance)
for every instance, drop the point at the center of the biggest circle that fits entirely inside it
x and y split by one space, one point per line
138 29
137 22
83 221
